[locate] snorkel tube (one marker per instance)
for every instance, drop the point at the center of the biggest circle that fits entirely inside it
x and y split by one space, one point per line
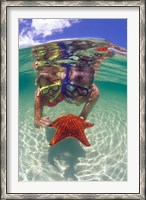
63 88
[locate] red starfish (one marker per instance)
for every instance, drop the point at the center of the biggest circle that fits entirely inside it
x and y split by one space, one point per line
70 126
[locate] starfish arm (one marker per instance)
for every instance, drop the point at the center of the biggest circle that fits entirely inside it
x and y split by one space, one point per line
88 124
58 137
82 138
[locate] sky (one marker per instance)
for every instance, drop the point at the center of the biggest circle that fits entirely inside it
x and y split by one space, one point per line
37 31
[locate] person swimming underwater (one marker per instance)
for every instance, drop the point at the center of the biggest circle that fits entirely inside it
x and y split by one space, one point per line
73 84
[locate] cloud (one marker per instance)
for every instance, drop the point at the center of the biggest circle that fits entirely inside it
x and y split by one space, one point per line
35 31
27 41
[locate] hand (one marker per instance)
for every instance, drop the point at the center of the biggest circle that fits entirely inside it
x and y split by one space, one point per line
44 121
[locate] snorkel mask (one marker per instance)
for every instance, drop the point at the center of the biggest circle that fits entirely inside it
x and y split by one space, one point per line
71 90
53 90
50 89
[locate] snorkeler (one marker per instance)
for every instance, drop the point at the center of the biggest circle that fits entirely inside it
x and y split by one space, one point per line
73 84
66 70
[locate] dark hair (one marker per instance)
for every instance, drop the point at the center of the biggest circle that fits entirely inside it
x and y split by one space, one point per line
48 73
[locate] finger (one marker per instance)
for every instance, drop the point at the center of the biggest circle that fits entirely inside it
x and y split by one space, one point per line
44 122
47 120
45 117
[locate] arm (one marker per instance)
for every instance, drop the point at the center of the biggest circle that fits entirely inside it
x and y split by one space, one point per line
90 102
39 120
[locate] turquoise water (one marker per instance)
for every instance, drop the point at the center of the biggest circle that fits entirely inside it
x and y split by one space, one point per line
69 160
